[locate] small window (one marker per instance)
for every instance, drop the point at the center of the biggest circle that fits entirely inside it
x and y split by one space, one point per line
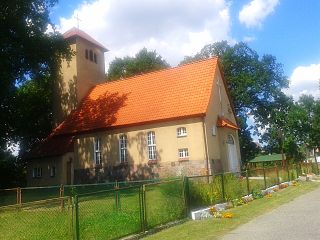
34 172
37 172
181 132
91 55
183 153
230 139
152 151
97 151
87 54
52 171
123 148
95 57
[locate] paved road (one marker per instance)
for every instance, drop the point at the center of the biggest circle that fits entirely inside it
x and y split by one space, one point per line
296 220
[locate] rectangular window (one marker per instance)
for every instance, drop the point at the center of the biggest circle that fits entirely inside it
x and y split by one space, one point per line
181 132
97 151
123 148
183 153
37 172
95 57
52 171
152 151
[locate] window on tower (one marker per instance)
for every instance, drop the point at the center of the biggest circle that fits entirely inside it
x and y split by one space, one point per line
87 54
91 55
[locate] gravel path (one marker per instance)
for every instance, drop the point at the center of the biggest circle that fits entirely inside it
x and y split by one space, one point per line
296 220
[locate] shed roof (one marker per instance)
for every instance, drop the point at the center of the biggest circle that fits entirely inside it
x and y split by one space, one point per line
268 158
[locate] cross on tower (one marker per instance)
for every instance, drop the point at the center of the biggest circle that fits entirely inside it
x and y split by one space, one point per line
78 20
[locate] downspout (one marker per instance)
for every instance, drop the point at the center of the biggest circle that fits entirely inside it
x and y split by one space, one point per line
206 145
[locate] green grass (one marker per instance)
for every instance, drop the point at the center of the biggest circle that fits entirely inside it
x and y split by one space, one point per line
215 228
99 215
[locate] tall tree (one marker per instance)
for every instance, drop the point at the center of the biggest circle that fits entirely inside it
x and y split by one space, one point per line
143 62
254 82
30 60
27 52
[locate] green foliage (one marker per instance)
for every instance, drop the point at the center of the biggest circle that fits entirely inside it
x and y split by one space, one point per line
256 194
254 82
27 52
144 61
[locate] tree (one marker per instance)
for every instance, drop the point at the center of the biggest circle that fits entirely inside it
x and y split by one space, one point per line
27 52
30 60
143 62
254 83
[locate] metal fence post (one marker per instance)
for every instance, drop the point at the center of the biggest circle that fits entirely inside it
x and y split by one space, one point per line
277 170
264 177
247 178
19 197
222 187
76 206
61 195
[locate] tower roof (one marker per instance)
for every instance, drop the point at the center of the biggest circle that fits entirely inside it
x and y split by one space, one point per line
76 32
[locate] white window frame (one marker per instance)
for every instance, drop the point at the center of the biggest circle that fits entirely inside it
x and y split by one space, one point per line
52 171
181 132
37 172
151 143
183 153
123 141
97 151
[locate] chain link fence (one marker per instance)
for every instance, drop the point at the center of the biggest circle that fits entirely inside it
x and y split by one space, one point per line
115 210
48 219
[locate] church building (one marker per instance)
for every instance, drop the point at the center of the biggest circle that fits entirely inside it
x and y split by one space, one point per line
171 122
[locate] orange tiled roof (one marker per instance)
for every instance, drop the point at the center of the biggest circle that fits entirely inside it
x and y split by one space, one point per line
52 146
175 93
77 32
224 122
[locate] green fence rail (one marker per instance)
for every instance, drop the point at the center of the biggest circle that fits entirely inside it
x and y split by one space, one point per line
112 211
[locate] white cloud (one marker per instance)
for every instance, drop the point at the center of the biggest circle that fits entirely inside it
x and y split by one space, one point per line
248 39
305 80
253 13
173 28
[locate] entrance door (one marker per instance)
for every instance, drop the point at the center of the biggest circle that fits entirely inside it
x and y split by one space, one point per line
232 154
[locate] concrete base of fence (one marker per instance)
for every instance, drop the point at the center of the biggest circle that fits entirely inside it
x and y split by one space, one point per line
205 212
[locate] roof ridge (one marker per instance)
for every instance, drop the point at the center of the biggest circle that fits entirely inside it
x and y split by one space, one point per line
157 71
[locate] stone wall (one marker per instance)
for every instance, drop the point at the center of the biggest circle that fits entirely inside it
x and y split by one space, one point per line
126 172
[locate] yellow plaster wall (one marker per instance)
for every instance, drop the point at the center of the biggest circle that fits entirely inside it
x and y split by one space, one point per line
77 77
217 150
167 144
59 162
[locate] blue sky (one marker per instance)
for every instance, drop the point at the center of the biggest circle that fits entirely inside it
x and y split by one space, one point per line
287 29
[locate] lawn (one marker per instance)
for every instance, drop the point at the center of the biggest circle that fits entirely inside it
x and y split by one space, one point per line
215 228
100 216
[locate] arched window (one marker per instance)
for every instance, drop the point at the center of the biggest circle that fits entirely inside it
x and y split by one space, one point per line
151 142
91 55
97 151
95 57
123 148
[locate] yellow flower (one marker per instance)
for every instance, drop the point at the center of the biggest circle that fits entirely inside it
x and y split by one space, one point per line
227 215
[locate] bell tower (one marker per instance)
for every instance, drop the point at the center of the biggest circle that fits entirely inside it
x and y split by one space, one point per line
85 70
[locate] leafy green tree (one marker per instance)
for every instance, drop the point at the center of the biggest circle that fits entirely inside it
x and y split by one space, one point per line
143 62
27 52
30 60
254 82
